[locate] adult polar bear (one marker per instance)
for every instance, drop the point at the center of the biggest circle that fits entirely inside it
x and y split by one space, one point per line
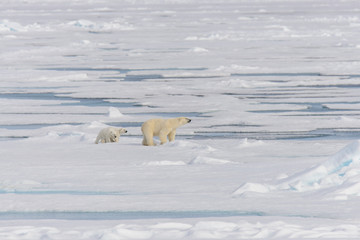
163 128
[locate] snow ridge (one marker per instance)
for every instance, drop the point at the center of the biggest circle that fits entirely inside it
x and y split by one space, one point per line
339 176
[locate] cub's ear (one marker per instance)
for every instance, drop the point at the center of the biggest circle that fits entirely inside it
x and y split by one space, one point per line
122 130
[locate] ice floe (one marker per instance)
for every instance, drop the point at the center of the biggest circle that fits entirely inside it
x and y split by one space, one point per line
165 163
116 25
252 187
209 160
13 27
114 113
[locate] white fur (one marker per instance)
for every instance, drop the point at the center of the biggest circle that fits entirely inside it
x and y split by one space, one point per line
110 134
163 128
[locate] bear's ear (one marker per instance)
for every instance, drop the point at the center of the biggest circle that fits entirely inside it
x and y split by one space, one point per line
185 119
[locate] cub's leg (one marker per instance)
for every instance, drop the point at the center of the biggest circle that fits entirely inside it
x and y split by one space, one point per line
107 139
97 139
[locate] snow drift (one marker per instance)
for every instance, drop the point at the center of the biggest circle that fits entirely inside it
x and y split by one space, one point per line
339 170
339 176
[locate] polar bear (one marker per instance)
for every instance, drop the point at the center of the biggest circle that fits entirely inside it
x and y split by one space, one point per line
110 134
163 128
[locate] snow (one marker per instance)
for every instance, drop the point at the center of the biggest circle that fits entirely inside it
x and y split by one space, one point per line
210 229
271 86
337 177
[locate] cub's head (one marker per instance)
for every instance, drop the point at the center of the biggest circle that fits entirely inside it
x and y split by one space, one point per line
115 134
183 120
122 130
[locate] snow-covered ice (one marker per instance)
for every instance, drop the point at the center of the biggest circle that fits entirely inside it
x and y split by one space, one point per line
271 86
339 176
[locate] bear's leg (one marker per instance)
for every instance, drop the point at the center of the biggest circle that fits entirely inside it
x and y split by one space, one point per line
163 137
144 141
97 139
171 136
148 139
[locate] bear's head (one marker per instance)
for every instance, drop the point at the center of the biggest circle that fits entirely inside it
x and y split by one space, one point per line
183 120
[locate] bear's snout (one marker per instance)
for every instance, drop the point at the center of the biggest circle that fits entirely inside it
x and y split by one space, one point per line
189 120
125 131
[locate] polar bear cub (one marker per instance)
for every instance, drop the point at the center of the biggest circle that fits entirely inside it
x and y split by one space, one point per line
110 134
163 128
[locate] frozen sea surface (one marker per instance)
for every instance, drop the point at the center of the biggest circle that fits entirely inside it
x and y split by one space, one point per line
271 86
